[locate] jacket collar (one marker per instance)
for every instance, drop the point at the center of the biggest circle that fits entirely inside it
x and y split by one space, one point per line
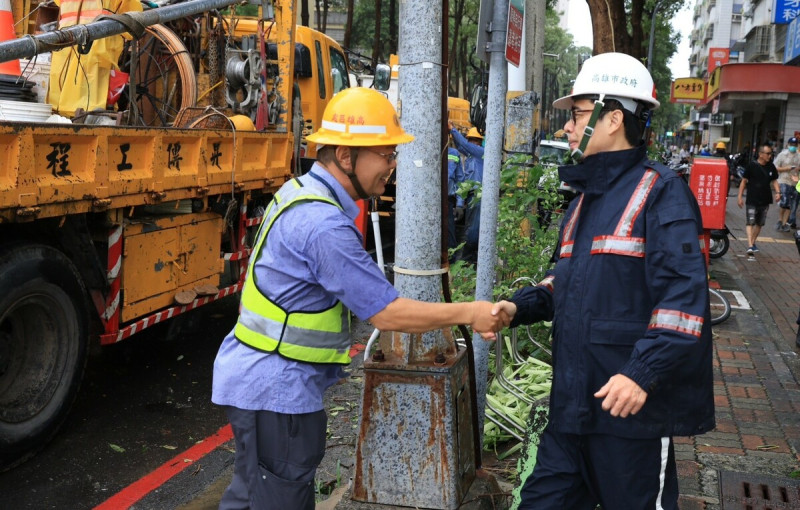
594 175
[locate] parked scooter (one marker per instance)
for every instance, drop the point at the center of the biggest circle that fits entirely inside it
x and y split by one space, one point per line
682 168
719 242
736 171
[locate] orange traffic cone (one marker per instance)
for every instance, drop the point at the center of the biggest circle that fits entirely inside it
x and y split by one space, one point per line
6 34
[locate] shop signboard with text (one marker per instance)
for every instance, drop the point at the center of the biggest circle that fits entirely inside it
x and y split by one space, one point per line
516 20
786 10
688 90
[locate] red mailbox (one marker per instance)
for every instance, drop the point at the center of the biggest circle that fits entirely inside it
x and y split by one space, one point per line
709 183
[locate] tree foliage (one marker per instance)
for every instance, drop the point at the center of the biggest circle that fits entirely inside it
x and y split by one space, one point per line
628 31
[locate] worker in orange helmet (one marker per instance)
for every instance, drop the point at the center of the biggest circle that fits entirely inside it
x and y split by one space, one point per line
307 273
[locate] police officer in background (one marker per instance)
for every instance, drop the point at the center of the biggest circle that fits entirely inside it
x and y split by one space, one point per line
628 299
308 271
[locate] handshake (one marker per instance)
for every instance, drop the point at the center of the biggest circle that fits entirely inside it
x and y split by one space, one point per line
489 318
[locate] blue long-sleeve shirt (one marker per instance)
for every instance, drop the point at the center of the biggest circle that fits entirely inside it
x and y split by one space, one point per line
455 175
312 258
473 165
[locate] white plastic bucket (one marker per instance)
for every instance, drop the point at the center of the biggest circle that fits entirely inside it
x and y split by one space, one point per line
37 71
24 112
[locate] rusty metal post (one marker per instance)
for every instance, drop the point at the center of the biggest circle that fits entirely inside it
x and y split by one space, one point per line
415 445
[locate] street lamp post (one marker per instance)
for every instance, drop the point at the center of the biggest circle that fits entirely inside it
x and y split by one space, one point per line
652 36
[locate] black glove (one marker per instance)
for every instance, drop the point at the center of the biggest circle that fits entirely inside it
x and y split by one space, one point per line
458 214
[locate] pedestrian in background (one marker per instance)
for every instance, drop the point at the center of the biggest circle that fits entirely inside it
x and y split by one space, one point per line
307 272
787 163
685 155
760 179
628 299
455 212
472 149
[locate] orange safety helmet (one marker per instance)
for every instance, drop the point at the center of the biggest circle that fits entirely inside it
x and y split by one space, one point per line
360 117
720 145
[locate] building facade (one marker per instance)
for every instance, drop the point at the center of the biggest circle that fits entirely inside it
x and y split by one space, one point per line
752 97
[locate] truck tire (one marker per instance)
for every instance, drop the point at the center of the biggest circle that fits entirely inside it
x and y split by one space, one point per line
43 346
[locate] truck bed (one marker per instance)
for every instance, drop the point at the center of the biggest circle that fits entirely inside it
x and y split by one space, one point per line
49 170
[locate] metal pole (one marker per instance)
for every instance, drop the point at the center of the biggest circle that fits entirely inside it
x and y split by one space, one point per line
28 46
487 246
652 35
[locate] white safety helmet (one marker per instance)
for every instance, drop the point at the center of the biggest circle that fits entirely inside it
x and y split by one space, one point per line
615 76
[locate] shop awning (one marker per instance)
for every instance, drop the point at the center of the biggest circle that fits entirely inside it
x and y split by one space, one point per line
750 86
688 126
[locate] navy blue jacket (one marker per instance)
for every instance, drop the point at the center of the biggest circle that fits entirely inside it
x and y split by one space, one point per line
628 294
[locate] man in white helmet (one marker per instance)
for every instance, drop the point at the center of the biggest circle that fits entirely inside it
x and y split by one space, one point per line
628 297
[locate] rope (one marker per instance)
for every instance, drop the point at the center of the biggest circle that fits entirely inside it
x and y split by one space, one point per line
135 28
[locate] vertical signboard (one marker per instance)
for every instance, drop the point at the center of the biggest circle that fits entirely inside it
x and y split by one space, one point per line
717 57
516 20
792 49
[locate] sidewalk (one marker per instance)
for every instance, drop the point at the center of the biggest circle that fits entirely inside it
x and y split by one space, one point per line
746 462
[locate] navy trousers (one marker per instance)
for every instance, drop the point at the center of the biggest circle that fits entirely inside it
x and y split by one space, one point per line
276 459
575 472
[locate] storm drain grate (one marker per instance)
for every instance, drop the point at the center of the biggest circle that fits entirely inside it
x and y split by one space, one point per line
745 491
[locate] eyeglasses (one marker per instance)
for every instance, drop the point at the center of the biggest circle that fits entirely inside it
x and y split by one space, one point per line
768 153
390 157
576 111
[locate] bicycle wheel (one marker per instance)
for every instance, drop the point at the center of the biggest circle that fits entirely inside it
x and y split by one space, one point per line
720 306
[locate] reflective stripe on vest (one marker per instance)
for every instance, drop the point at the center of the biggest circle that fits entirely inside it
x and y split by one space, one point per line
74 12
314 336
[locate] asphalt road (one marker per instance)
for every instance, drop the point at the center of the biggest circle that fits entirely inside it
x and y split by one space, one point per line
142 402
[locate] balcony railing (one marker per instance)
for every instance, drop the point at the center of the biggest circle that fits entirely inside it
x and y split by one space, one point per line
757 47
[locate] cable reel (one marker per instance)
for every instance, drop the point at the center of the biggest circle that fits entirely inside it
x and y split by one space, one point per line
243 70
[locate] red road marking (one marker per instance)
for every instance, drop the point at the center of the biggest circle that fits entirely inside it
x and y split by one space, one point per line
148 483
140 488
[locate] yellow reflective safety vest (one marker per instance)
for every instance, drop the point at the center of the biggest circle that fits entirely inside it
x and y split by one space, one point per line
318 336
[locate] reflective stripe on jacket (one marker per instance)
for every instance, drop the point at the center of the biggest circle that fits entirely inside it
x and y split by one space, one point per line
314 336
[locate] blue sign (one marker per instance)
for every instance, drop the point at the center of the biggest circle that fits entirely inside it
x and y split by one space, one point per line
792 49
786 11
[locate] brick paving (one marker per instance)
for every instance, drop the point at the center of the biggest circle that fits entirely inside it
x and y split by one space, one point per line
756 367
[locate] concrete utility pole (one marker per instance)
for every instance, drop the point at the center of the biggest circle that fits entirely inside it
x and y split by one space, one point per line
535 12
415 444
492 161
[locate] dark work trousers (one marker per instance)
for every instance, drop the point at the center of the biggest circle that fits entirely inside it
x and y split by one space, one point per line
472 226
451 222
276 459
579 472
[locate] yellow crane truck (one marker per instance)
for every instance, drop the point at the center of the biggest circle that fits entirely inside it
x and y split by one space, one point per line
107 230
